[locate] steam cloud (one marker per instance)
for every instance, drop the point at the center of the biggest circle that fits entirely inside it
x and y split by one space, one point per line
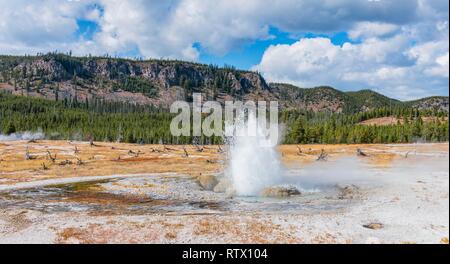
27 135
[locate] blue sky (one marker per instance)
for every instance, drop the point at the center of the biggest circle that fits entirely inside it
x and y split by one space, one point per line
399 48
250 54
244 57
86 29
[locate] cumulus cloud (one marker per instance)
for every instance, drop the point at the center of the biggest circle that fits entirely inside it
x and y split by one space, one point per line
371 29
391 66
403 61
172 28
28 27
394 38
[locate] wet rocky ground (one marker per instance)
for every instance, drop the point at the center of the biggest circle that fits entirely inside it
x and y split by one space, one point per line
166 194
342 200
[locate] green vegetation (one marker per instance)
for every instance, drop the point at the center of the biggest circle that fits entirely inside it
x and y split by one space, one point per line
371 99
67 79
112 74
136 85
308 128
101 121
352 102
106 121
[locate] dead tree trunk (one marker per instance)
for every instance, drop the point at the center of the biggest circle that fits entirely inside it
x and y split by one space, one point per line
359 152
220 150
44 166
199 149
299 151
28 155
49 156
79 161
168 149
186 153
323 156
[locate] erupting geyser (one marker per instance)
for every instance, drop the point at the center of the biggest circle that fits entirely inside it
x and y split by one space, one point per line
254 162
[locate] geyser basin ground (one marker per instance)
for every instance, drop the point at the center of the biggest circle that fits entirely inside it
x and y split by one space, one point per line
346 196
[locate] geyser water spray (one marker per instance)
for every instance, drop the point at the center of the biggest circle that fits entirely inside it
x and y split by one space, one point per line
254 162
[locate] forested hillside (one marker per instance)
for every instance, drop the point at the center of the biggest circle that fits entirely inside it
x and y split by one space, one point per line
331 128
100 121
57 76
107 121
111 99
156 82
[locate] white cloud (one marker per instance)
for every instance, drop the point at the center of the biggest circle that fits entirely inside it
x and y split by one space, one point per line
390 65
428 52
400 40
440 68
371 29
171 28
39 26
405 61
304 58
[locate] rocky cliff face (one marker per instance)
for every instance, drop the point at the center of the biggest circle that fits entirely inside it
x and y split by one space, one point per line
161 82
125 80
326 98
314 99
440 103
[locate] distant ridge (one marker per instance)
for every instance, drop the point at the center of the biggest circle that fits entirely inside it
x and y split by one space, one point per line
160 82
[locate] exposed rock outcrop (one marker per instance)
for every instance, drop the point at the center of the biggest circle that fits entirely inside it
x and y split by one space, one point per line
280 191
208 182
161 82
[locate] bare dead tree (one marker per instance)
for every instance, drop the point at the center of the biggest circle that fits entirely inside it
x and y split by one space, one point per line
168 149
153 150
133 153
195 142
79 161
91 141
198 148
360 153
50 157
28 155
186 153
44 166
299 151
65 162
219 149
323 156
